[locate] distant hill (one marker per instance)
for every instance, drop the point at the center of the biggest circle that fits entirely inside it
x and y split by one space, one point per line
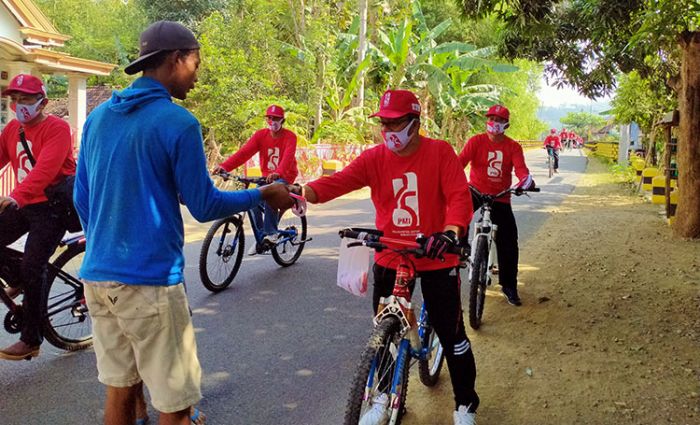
552 114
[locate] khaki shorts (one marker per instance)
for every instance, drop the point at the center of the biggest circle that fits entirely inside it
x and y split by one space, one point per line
145 333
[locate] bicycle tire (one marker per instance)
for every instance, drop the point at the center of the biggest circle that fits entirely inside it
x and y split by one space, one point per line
284 253
550 165
227 261
477 283
386 332
429 369
67 324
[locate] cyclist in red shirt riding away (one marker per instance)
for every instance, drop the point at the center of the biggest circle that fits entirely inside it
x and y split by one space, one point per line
277 147
417 187
553 145
493 156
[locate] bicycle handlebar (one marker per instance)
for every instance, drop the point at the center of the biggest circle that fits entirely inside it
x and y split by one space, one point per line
245 180
374 238
513 190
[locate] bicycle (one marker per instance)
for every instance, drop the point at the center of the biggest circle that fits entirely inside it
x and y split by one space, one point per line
224 244
66 323
484 254
550 160
397 337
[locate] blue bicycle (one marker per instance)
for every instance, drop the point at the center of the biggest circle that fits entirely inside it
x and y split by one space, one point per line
397 339
224 245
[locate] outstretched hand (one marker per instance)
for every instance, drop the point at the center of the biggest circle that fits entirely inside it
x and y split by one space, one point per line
277 196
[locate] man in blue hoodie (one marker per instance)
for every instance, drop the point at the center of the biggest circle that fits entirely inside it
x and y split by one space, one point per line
140 152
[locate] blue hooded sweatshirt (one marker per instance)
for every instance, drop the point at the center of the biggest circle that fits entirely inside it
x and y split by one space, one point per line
139 150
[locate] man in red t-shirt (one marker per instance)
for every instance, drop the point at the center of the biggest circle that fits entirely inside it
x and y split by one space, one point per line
552 143
417 187
277 148
26 209
493 156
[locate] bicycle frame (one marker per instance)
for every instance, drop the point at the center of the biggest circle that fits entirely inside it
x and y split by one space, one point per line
485 228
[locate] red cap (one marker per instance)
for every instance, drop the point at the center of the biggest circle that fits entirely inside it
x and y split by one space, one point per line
25 83
397 103
554 130
499 111
274 111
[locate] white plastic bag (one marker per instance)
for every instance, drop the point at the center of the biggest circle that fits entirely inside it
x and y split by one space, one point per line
353 267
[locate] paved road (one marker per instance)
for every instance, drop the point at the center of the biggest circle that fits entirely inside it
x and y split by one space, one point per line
278 347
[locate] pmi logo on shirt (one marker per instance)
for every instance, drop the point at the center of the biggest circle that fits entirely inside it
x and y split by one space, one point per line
273 161
406 196
495 164
25 166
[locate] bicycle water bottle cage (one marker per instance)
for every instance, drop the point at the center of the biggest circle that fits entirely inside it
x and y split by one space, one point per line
393 307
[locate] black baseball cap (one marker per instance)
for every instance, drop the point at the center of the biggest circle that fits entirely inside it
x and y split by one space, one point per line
159 37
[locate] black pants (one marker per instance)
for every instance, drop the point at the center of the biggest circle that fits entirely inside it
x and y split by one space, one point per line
45 233
506 241
441 293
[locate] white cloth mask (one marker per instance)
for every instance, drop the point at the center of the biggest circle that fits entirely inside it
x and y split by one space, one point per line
26 113
396 141
273 125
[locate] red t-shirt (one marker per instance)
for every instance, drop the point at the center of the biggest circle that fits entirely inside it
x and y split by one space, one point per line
420 193
492 164
52 147
553 141
277 154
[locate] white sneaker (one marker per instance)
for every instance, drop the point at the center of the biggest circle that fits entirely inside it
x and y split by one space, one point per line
377 414
463 417
271 240
253 250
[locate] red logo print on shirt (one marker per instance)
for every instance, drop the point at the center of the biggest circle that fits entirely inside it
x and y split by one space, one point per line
406 195
495 161
273 161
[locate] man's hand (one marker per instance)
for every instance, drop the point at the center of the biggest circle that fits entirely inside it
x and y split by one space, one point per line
295 189
277 196
7 202
273 177
218 170
439 242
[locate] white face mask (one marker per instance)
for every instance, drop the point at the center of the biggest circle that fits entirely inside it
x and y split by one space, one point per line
274 126
396 141
26 113
496 128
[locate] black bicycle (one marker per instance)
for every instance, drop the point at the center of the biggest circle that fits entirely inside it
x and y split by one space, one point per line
66 323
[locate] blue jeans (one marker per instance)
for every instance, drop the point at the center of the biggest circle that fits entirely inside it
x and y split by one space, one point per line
271 219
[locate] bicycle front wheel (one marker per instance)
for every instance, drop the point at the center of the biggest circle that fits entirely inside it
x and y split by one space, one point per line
430 368
550 166
381 360
477 282
67 324
292 234
222 253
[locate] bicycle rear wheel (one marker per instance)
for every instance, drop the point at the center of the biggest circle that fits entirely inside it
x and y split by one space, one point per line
430 368
67 324
292 233
477 282
377 368
222 253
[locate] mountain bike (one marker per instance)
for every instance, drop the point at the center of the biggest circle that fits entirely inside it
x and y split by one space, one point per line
550 161
397 339
66 323
224 245
484 255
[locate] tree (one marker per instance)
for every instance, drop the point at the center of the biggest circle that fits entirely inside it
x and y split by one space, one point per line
587 43
583 123
189 12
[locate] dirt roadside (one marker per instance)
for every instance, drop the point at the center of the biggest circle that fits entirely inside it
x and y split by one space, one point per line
609 332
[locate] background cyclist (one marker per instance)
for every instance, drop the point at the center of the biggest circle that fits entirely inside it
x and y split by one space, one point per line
493 156
553 145
418 186
277 147
27 209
